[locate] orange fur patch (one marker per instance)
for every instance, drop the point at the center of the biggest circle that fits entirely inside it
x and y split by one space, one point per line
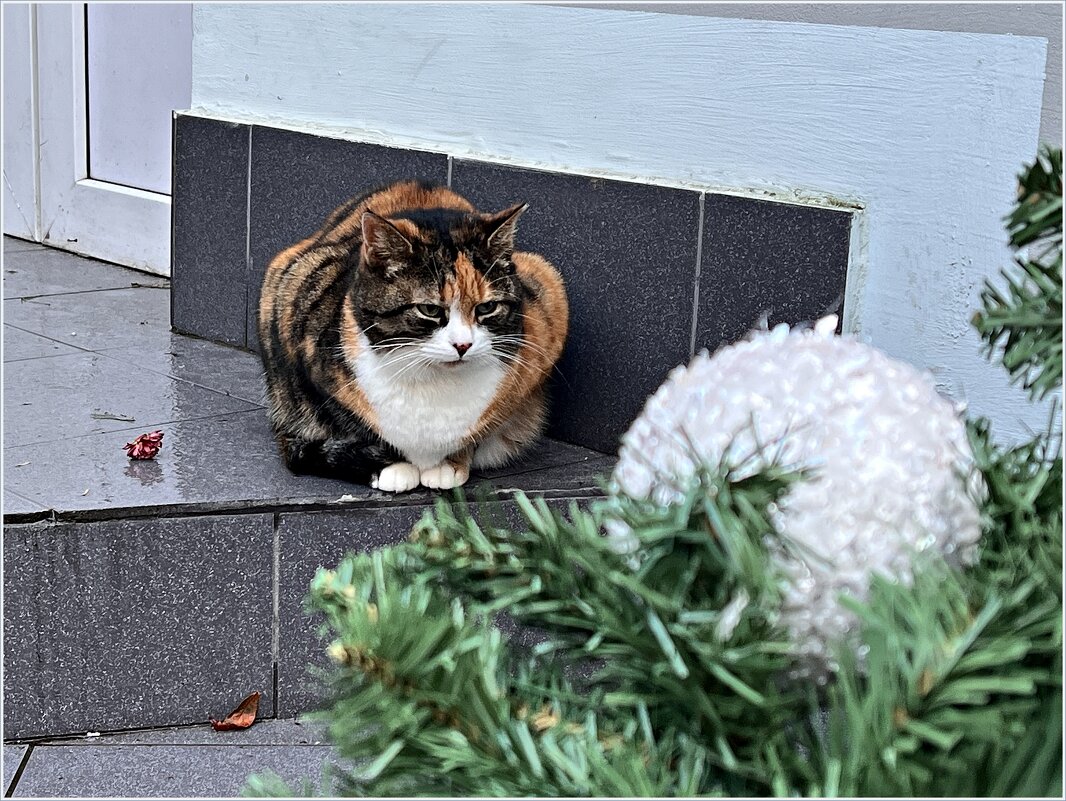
470 286
545 325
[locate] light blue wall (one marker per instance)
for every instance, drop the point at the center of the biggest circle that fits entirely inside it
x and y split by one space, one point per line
923 130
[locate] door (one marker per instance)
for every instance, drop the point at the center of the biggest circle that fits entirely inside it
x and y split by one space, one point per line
108 77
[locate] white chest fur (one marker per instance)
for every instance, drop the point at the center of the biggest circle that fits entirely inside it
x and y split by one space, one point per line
426 413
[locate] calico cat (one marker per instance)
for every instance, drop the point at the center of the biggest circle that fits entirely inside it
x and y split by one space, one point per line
406 341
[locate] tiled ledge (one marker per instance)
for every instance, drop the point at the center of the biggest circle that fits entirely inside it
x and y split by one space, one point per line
653 273
161 592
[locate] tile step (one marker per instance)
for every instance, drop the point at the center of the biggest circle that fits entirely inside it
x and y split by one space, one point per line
161 592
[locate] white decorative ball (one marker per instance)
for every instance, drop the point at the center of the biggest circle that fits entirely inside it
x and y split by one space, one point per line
892 470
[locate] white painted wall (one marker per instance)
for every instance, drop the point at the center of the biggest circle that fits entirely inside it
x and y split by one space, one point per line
1043 19
20 123
925 130
139 71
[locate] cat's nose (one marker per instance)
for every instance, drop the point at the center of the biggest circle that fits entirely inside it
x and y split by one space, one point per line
462 347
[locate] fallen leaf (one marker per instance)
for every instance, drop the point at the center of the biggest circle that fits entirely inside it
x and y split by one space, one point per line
240 718
97 414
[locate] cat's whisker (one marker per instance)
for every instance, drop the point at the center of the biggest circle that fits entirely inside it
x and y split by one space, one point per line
521 341
493 267
515 359
392 344
402 358
417 364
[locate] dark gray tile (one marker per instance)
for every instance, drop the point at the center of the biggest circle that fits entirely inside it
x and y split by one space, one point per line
56 398
95 320
544 454
289 731
146 771
764 257
13 754
38 270
298 179
208 364
309 541
209 262
127 623
13 244
19 344
628 254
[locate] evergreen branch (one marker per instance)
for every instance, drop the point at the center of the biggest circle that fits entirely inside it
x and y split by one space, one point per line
422 682
1023 321
700 649
942 687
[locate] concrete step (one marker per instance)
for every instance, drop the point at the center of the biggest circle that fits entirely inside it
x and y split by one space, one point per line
161 592
185 762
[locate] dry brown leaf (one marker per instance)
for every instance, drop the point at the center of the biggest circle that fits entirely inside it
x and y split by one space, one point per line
240 718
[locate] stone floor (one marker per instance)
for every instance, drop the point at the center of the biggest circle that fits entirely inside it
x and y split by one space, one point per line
90 362
141 598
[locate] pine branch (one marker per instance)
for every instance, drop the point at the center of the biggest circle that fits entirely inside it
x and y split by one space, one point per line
1023 321
689 632
424 701
943 686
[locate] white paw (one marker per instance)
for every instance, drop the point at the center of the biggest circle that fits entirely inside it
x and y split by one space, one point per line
444 476
399 477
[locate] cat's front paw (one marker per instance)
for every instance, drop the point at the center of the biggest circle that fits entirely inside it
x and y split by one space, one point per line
399 477
444 476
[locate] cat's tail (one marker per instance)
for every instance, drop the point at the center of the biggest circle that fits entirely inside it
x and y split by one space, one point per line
354 460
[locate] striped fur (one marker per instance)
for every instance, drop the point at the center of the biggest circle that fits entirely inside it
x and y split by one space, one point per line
406 341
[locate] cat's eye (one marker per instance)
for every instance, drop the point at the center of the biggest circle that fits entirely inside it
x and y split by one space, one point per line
487 308
430 310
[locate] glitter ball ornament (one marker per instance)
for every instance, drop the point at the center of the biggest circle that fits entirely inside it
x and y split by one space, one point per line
892 472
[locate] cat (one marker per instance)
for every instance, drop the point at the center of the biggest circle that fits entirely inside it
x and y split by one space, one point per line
406 341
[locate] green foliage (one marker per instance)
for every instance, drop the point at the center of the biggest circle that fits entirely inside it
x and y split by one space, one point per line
1023 321
663 672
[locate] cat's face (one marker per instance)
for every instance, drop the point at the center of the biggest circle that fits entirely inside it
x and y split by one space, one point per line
437 288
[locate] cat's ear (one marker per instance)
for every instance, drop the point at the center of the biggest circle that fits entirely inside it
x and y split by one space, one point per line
499 229
385 246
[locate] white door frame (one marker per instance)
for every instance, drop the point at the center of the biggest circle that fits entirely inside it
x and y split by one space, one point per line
107 221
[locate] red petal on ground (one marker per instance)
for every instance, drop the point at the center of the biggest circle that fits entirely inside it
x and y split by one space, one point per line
145 446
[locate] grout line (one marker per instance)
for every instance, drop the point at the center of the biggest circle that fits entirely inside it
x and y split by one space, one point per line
696 282
449 172
256 506
275 631
10 789
248 238
130 285
182 744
